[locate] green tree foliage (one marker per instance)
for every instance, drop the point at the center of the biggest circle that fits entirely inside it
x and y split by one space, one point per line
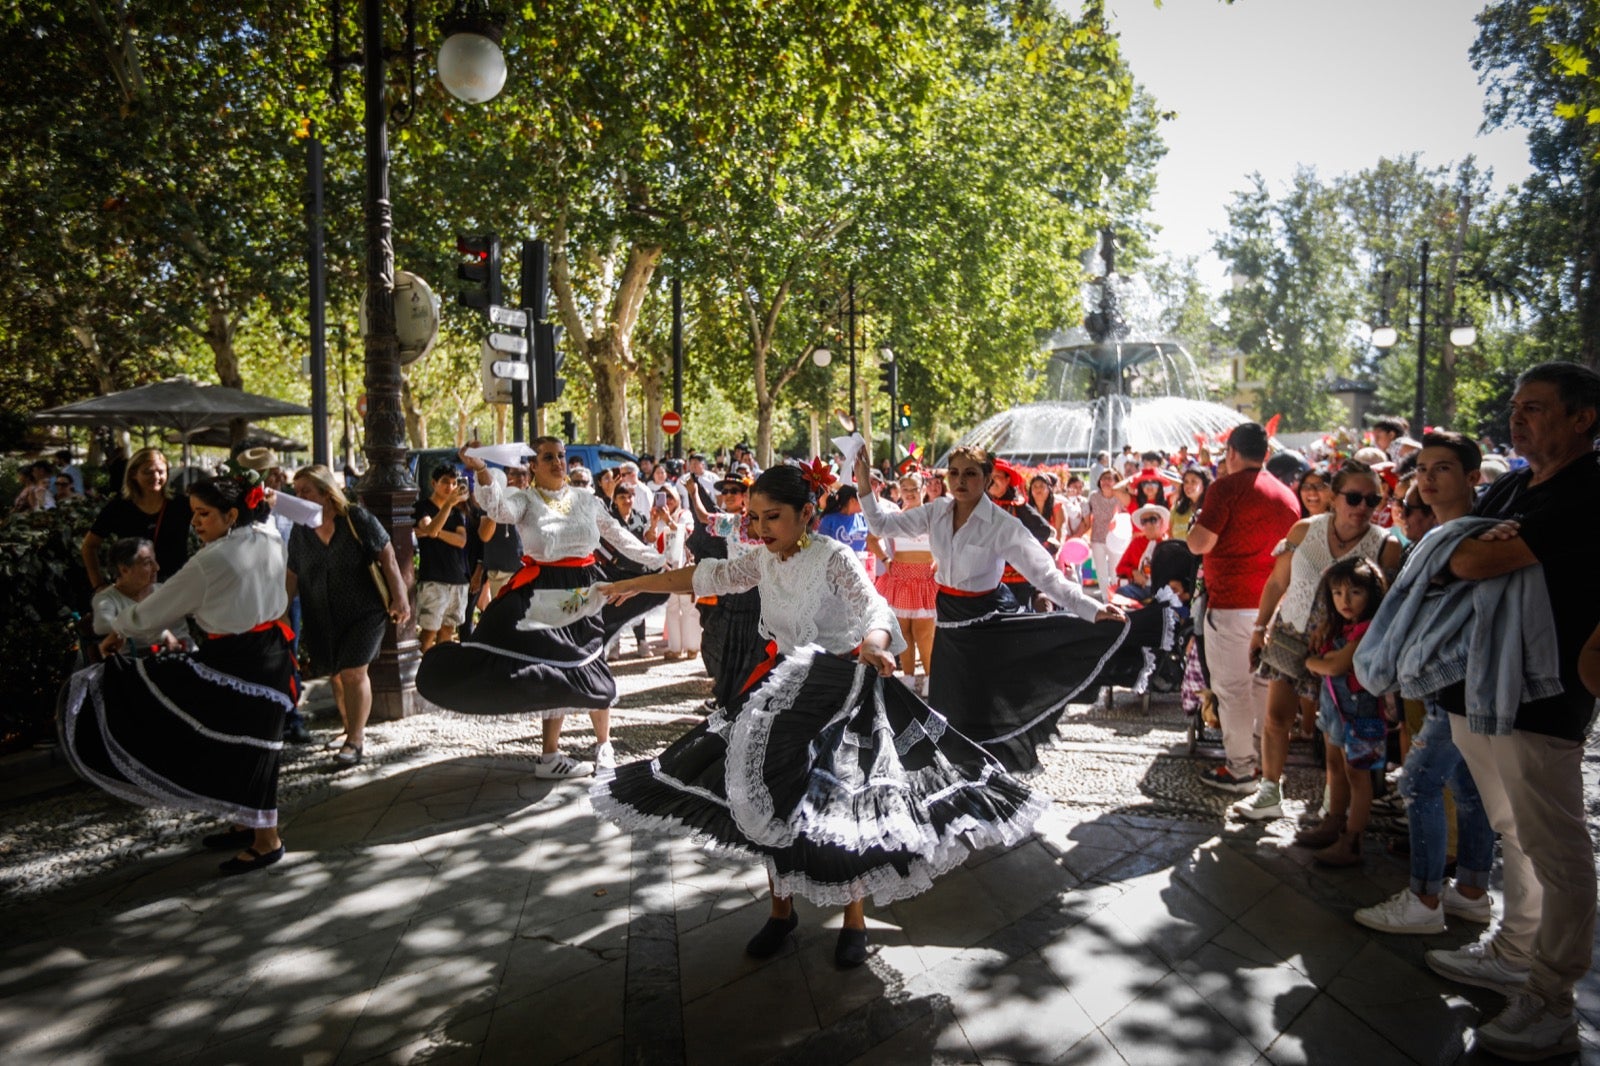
1541 66
1296 294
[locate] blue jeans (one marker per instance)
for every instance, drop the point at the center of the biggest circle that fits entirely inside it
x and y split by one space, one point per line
1434 762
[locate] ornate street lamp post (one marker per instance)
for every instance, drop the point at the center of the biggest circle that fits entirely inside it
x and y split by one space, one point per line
473 70
1384 336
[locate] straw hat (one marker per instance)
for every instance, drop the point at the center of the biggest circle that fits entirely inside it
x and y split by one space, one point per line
258 459
1152 509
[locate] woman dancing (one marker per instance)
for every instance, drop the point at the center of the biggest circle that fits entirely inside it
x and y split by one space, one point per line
1003 677
199 732
844 786
507 669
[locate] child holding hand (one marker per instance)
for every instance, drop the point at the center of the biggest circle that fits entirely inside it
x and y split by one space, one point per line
1350 717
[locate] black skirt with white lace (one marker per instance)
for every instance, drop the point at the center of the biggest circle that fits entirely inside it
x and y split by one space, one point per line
845 785
1004 677
504 669
200 732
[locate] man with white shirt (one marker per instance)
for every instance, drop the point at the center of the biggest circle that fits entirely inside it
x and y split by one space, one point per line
628 480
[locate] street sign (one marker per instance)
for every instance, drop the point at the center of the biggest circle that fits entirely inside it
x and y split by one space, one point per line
671 422
508 342
509 317
505 368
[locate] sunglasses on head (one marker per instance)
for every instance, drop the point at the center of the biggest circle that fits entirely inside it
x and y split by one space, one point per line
1356 499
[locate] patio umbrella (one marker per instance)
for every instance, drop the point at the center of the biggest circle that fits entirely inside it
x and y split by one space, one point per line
254 436
179 402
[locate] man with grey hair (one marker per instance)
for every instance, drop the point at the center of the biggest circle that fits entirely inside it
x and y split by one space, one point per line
628 481
1531 778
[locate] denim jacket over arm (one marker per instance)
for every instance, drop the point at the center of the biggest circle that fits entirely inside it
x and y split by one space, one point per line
1497 635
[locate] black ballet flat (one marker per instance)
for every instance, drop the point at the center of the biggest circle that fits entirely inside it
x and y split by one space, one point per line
851 951
769 941
231 840
235 866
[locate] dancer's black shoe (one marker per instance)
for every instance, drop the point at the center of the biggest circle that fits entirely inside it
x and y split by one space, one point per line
769 941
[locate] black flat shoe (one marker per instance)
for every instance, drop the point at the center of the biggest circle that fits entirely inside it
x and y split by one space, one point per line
769 941
297 733
236 866
349 755
232 840
851 950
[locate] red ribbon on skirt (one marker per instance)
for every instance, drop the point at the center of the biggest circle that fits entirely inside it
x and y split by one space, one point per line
531 567
948 591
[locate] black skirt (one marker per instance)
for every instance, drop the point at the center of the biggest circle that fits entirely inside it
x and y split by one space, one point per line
200 732
843 785
737 631
1004 677
506 670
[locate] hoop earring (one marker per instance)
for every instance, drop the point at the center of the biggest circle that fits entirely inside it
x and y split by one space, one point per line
804 542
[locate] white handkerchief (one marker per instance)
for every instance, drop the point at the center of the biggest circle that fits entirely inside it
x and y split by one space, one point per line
849 447
559 608
513 454
300 512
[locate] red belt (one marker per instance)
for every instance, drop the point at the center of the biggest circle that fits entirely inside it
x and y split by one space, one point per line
531 567
1011 577
277 623
764 667
948 591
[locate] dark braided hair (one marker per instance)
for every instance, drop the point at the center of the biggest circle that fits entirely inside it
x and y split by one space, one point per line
233 491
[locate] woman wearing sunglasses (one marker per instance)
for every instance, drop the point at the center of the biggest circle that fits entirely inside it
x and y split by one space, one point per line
1278 645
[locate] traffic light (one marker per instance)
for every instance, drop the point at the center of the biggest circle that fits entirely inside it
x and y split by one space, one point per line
480 271
569 427
890 376
548 384
903 419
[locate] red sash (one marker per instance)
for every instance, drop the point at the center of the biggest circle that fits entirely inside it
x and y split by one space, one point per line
948 591
763 668
531 567
277 623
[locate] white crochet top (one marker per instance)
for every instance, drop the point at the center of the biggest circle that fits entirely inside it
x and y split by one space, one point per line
1311 559
819 595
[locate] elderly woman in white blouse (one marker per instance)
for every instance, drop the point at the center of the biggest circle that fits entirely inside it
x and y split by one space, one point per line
843 786
1002 677
133 561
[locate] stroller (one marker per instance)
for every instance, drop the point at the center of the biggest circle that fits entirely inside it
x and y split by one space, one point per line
1171 561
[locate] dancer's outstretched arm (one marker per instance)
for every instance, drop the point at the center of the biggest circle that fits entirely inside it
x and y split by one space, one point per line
680 580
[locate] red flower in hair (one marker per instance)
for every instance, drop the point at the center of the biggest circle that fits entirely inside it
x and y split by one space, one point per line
253 498
818 474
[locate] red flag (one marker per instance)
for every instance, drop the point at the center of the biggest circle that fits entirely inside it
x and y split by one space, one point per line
1272 425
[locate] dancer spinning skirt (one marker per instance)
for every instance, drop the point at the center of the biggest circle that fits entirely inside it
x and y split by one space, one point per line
1004 677
202 732
517 661
731 639
843 785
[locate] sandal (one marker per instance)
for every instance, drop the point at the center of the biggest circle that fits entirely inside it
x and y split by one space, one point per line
231 840
236 865
349 755
336 743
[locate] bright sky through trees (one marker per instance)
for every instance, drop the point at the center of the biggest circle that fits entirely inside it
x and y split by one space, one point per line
1269 85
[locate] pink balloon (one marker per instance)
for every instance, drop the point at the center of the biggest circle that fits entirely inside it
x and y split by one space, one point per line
1074 552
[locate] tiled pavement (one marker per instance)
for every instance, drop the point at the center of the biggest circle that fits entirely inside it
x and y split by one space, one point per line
466 912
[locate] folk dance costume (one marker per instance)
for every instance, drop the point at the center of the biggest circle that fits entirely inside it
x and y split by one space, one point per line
510 669
199 732
910 587
843 785
732 640
1004 677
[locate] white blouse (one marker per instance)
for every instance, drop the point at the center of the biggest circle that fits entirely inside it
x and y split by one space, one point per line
819 595
231 585
548 534
973 557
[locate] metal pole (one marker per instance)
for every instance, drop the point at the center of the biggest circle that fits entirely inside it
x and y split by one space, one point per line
677 363
316 270
850 345
1420 403
386 489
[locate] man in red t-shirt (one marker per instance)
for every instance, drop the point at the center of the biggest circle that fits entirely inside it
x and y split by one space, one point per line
1246 513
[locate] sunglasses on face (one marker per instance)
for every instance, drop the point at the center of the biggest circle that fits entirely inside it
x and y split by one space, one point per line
1356 499
1418 508
1149 520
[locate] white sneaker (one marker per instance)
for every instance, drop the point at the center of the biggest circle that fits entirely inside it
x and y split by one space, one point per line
605 756
1266 804
557 765
1476 964
1527 1030
1480 910
1402 913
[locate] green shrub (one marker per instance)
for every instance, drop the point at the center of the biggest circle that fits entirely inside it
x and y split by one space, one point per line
42 590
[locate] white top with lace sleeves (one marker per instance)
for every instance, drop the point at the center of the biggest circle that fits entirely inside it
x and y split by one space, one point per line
820 595
569 526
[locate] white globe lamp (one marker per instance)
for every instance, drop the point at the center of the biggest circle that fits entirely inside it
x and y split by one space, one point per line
471 66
